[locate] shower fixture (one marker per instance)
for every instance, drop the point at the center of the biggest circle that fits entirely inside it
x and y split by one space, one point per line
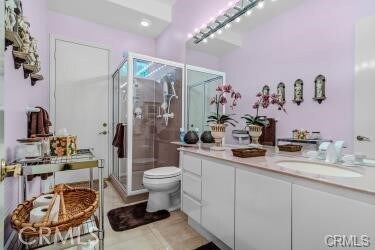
169 92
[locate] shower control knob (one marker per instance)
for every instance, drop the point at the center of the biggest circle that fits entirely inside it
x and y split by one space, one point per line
103 133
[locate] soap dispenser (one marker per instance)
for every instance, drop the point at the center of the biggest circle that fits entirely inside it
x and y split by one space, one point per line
339 145
331 155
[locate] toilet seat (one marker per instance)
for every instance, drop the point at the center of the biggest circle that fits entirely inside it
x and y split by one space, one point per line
162 173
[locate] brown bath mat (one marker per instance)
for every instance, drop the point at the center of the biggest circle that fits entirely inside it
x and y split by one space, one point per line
208 246
125 218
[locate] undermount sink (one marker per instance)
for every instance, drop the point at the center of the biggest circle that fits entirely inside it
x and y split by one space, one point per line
318 168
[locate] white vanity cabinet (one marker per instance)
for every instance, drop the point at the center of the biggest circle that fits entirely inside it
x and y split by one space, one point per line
191 186
263 212
218 182
318 216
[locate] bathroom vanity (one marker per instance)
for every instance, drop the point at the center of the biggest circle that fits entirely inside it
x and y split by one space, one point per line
255 203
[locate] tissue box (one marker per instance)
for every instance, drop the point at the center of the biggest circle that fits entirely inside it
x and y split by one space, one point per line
63 145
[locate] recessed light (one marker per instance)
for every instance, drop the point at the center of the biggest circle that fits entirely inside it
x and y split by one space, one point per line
145 23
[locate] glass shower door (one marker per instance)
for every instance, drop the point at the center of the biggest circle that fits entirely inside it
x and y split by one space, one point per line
156 115
201 87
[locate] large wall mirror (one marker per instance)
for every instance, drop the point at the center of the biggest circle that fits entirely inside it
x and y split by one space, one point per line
201 86
253 53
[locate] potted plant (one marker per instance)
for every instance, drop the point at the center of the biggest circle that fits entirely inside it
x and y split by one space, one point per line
257 122
217 120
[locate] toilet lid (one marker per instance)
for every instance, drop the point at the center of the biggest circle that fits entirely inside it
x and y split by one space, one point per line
164 172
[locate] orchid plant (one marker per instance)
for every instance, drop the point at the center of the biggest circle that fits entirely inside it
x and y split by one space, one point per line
264 101
220 99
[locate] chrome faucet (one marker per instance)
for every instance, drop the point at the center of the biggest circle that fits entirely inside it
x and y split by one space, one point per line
333 152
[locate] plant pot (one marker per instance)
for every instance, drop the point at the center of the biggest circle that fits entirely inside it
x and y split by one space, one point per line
255 132
218 133
207 137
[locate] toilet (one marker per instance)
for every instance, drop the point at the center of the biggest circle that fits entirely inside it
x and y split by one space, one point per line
163 185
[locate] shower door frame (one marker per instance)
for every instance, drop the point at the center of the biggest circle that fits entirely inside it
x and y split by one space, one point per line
129 123
186 89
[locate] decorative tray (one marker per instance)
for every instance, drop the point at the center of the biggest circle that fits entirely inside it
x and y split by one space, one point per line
290 148
249 152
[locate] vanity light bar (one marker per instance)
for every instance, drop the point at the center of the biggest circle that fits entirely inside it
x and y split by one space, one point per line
200 36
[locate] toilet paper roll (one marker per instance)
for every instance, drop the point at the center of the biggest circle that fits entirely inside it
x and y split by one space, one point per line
43 200
37 214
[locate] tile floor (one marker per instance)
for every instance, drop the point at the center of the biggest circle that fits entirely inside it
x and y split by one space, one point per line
173 233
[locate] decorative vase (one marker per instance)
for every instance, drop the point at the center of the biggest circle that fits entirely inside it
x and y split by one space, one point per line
255 132
191 137
218 133
207 137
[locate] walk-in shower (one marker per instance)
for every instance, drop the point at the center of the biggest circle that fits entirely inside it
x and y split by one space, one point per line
147 100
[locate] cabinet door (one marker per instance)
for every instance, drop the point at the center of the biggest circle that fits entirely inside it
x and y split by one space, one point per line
218 200
318 217
263 212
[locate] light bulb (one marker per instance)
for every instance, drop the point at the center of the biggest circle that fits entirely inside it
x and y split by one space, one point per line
220 32
189 35
238 19
196 30
212 36
260 5
205 40
228 25
249 12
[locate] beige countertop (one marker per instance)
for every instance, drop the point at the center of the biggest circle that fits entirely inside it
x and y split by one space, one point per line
365 183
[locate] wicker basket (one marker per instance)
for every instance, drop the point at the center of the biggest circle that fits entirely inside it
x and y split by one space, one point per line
290 148
77 205
249 152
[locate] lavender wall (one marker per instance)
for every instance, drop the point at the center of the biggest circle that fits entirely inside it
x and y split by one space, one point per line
19 94
202 59
316 37
187 15
116 40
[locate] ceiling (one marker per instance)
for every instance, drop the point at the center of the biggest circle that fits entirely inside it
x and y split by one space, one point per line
232 38
120 14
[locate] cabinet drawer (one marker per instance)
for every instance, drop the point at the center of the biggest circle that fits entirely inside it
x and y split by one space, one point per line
191 185
191 207
192 164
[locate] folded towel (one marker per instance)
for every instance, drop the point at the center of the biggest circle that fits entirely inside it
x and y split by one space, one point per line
38 123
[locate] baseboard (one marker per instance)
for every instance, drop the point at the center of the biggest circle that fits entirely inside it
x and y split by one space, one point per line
207 235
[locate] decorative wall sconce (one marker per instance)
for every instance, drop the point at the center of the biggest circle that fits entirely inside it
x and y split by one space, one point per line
281 92
25 49
266 90
320 89
298 92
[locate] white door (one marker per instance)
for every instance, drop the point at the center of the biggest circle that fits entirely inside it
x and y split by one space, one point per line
81 98
365 87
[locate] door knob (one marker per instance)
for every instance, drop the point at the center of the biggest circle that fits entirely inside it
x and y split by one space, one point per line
105 124
363 138
103 133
